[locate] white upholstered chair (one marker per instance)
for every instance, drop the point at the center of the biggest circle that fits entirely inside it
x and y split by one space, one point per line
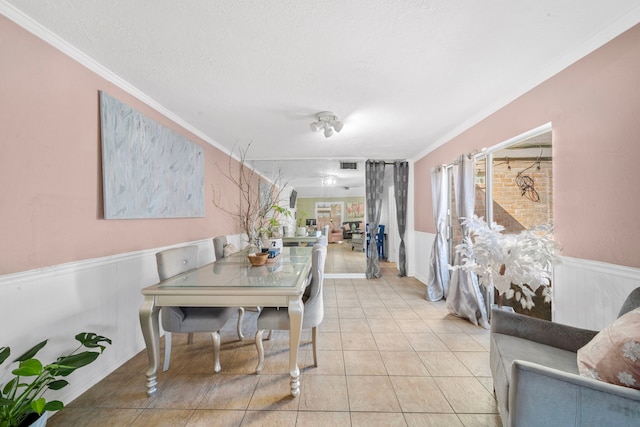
273 318
172 262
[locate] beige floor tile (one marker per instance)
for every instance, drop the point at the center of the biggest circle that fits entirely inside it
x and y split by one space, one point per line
420 394
426 342
181 391
269 419
329 325
391 341
371 394
215 418
116 391
443 364
483 339
230 392
467 395
373 302
480 420
273 393
93 417
348 302
354 325
363 362
403 363
442 326
377 313
330 362
162 418
322 419
324 393
383 325
413 326
476 361
487 382
358 341
460 342
402 311
350 313
329 341
377 419
432 420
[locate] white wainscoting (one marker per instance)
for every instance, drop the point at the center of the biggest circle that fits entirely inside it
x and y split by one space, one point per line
423 243
98 295
589 294
586 294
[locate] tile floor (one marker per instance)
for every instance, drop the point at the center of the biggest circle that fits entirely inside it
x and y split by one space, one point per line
387 357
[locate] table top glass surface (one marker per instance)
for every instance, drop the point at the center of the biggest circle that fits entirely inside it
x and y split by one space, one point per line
236 271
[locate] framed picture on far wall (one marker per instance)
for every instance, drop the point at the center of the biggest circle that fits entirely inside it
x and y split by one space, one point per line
329 213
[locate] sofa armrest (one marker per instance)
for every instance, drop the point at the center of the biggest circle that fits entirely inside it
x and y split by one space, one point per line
541 331
542 396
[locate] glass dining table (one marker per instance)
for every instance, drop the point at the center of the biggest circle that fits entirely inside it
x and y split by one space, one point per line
231 282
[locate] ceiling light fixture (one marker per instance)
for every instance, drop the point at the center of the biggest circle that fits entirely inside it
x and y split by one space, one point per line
327 121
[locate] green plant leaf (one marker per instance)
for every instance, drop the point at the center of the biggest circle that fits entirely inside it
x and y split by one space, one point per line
31 352
5 402
4 353
38 405
58 384
28 368
91 340
54 405
9 386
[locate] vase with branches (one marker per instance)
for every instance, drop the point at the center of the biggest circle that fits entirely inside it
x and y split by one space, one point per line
257 209
502 260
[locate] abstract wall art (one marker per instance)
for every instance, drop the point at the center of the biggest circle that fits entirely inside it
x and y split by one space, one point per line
149 170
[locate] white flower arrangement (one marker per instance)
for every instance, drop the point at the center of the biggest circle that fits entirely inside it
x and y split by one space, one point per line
505 259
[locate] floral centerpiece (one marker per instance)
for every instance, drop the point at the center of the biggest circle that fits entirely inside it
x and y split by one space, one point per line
503 260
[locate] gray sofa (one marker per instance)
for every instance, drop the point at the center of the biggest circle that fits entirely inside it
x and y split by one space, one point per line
536 381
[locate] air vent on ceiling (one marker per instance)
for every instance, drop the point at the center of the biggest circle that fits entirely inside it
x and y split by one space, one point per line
349 166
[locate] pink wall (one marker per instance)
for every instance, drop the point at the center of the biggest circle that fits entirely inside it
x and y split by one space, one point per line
50 164
594 108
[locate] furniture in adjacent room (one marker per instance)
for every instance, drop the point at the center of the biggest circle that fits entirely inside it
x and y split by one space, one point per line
335 234
349 227
231 282
274 318
378 240
535 369
172 262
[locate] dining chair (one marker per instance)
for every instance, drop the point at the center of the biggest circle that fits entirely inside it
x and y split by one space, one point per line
172 262
276 318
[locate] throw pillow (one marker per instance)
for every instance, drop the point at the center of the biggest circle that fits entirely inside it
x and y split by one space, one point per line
613 355
229 249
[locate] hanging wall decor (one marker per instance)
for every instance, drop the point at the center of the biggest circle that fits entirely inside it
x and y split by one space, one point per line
149 171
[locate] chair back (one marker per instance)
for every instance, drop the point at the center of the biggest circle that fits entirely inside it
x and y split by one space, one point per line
172 262
218 246
314 305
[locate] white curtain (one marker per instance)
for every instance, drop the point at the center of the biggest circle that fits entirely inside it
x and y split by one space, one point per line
464 298
438 278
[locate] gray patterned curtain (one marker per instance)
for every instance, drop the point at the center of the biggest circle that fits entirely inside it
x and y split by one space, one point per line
401 185
374 179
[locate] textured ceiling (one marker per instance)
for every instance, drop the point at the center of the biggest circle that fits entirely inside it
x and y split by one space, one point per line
403 75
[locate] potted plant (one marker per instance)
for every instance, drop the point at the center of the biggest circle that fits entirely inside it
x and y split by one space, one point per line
22 401
502 260
258 197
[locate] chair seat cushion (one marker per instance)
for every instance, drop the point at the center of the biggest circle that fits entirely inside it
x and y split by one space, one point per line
195 319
